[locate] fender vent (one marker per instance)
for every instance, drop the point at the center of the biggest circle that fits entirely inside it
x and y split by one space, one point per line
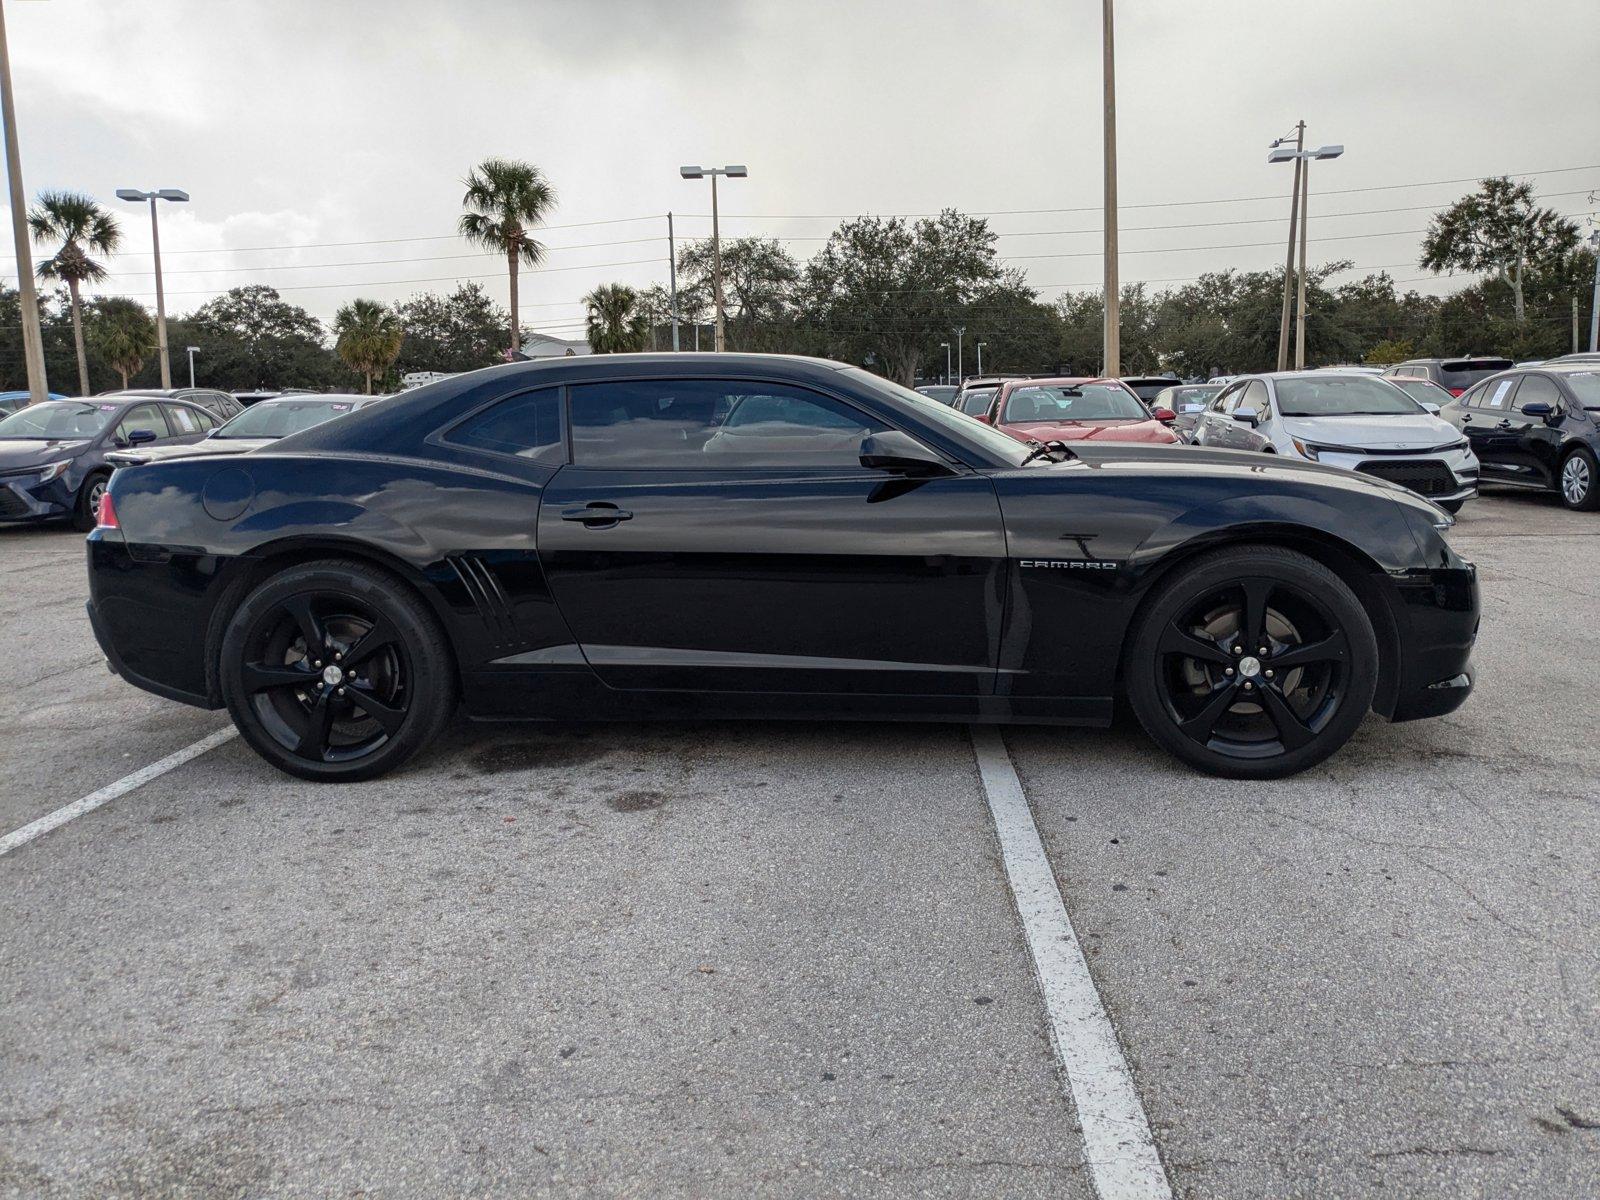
488 598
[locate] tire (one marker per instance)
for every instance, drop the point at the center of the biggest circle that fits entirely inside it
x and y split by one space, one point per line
1579 481
1209 700
336 671
86 512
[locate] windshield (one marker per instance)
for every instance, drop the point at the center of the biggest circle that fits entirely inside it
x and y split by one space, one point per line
1061 402
1423 389
1585 386
975 401
1001 445
1343 396
280 418
55 419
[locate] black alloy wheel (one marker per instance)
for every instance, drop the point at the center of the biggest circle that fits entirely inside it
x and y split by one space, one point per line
1253 663
336 671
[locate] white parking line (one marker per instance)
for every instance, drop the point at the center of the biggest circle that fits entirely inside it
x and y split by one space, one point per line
1117 1145
111 791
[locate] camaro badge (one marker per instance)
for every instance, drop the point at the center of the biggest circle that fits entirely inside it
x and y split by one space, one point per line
1069 564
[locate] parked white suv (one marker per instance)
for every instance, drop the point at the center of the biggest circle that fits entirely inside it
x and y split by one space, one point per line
1356 421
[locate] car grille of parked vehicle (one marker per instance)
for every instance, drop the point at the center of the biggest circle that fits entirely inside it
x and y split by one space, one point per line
11 504
1424 478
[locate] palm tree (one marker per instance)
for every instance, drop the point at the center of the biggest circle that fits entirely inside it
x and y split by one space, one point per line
83 228
368 337
616 322
503 200
123 334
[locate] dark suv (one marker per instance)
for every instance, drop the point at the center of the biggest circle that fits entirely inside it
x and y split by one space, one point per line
1454 375
1537 427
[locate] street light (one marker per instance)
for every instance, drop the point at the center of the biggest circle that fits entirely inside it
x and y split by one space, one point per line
1302 176
1112 353
1281 153
732 172
981 345
134 195
191 351
947 372
27 297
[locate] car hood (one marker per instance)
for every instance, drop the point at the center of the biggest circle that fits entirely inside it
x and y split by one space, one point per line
19 453
1399 432
1127 429
207 447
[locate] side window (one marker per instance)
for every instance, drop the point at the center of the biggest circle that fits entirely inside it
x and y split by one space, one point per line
526 425
1255 396
698 424
1537 388
205 420
1496 393
183 420
1228 399
142 416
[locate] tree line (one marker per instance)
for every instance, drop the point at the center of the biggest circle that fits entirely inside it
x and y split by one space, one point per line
885 292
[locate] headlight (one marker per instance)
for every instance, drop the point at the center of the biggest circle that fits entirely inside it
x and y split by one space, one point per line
53 471
1306 449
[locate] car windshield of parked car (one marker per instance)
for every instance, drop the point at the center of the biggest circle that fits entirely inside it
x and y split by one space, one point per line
56 419
1422 389
1585 385
1058 402
279 418
1001 445
1343 396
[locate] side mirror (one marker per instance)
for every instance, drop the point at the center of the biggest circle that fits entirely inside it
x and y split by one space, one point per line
1537 408
1248 416
1432 408
1163 414
902 454
141 437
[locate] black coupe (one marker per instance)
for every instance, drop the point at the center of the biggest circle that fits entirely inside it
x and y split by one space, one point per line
710 536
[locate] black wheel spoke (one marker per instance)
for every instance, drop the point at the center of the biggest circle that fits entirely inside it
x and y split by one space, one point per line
386 715
306 621
1292 731
369 643
259 677
313 741
1333 648
1177 640
1253 617
1203 723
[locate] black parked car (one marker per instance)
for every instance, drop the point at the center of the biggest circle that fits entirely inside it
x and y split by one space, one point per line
53 455
1454 375
1537 427
221 404
731 535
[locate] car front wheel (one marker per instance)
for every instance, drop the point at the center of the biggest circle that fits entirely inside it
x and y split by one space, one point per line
1252 663
336 671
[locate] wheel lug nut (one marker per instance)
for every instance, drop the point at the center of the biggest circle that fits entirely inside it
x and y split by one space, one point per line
318 663
1227 671
341 692
1269 674
1238 649
1263 650
1247 685
338 657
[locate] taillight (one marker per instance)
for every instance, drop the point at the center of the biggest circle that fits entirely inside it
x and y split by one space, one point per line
106 518
1455 391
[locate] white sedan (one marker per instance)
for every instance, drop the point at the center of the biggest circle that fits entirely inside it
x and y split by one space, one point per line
1349 420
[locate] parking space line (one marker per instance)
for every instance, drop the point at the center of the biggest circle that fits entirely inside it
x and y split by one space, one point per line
21 837
1117 1144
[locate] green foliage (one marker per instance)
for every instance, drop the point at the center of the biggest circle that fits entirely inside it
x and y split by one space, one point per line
503 200
1390 350
1499 228
122 334
251 337
367 337
758 281
615 324
83 229
459 332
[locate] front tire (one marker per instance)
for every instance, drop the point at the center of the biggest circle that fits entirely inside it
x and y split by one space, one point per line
1579 481
1252 663
336 671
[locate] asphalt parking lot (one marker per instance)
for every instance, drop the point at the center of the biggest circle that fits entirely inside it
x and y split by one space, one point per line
780 960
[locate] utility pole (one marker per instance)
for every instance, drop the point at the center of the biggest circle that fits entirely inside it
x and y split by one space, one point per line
136 196
948 378
1288 262
1113 294
672 268
1594 299
1300 276
191 351
733 172
961 358
981 345
27 297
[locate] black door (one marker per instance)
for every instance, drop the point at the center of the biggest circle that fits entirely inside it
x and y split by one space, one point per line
1488 427
1533 451
723 535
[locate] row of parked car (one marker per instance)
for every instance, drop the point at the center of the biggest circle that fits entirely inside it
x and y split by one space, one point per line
1438 426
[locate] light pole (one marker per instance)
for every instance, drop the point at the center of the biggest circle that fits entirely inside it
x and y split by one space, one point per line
981 345
732 172
946 347
191 351
27 297
1113 306
1303 185
1281 153
1594 300
672 269
961 358
136 196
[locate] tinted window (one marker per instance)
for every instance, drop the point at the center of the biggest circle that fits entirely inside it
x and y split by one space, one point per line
1229 400
1255 396
183 420
1423 389
1538 389
142 416
1058 402
58 419
1496 394
1185 399
688 424
1585 385
528 426
975 401
1462 373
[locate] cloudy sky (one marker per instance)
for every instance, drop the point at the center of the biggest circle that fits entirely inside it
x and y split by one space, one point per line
323 141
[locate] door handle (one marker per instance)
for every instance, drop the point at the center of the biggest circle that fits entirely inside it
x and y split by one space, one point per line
597 512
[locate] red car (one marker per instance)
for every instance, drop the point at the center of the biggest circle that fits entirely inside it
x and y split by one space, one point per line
1075 410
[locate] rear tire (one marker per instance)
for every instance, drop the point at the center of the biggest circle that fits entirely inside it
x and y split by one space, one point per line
1202 687
1579 481
86 512
336 671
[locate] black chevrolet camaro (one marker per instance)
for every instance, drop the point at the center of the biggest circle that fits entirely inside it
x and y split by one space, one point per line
714 536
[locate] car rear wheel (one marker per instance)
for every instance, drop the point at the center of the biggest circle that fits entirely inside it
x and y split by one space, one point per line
86 513
1579 477
336 671
1252 663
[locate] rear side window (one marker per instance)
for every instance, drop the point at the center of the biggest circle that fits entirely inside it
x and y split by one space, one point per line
527 426
182 420
1496 394
701 424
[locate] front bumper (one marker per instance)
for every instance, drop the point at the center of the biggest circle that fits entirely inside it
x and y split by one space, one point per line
27 498
1437 621
1440 476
